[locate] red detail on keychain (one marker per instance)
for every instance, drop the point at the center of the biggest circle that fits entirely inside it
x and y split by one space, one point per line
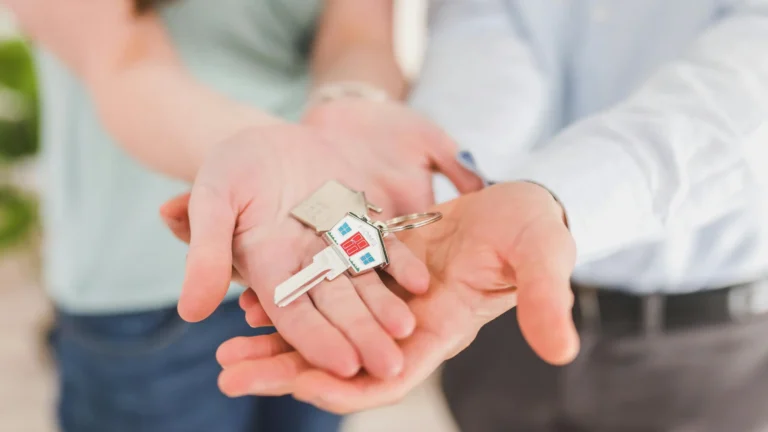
355 245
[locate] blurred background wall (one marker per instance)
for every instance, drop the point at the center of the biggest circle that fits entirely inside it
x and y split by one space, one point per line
27 389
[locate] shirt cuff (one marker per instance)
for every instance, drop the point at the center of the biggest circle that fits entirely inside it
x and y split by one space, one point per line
607 200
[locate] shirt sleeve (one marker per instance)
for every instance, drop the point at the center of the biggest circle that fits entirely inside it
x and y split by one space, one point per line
479 56
680 152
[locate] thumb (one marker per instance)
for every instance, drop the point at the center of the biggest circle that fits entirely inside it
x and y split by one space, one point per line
209 262
543 260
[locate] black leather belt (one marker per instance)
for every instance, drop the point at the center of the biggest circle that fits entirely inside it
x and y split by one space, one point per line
614 312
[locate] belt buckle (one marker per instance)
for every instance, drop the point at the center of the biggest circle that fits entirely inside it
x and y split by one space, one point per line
748 300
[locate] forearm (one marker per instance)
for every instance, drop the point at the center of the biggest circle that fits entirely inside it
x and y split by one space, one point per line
167 120
679 153
158 112
83 35
146 100
354 43
482 83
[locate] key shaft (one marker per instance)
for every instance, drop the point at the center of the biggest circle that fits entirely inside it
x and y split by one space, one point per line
326 265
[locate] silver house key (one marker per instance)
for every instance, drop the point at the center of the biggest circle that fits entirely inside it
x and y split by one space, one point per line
331 202
355 245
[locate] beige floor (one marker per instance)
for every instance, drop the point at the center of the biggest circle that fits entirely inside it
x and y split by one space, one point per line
26 380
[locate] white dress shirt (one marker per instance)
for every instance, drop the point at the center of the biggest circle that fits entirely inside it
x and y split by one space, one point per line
645 118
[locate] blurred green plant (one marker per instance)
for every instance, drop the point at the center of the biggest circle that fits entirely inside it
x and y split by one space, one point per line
18 87
17 216
19 139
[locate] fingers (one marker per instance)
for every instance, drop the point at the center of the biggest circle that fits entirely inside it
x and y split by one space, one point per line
322 344
271 376
544 258
209 262
390 311
176 217
424 354
336 330
445 159
179 228
409 272
248 299
242 349
270 263
176 208
255 315
340 303
445 330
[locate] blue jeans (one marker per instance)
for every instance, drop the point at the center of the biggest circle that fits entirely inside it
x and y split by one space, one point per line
153 372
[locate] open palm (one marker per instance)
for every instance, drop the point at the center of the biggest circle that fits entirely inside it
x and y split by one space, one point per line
406 148
239 217
498 248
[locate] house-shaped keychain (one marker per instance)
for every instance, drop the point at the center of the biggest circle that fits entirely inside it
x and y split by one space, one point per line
331 202
359 242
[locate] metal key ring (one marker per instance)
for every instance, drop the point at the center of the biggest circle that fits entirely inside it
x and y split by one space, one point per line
406 222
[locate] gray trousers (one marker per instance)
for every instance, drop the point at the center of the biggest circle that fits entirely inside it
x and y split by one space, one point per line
702 379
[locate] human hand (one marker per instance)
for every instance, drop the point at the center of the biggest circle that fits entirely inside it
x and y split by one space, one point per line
175 214
399 148
505 246
395 147
239 216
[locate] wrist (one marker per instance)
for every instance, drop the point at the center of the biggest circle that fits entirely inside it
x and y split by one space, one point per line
532 196
342 114
563 213
355 90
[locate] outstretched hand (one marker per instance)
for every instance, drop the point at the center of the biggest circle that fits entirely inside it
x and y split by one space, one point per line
238 217
505 246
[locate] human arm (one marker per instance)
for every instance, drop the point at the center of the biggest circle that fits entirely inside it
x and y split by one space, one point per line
153 107
272 167
355 43
483 81
505 246
341 324
678 153
354 46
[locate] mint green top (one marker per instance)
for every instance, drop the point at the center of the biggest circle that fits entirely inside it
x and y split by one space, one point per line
106 248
